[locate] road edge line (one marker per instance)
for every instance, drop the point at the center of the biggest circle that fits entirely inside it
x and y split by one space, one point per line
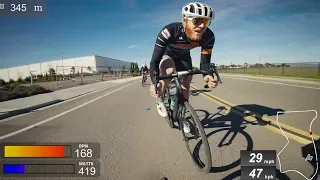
303 139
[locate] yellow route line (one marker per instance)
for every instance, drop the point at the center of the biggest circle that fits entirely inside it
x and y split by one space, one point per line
229 105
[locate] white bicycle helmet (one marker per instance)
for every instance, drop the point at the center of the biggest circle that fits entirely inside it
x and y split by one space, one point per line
196 9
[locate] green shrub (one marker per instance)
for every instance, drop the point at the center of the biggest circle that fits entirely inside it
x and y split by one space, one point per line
20 80
2 82
14 84
27 79
6 95
18 91
11 81
35 89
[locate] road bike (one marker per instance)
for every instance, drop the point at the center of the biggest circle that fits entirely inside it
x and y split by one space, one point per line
144 79
181 105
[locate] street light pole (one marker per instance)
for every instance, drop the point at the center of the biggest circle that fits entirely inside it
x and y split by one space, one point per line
62 65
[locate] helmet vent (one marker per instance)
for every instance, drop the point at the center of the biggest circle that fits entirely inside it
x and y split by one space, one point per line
211 14
200 11
192 8
186 8
198 4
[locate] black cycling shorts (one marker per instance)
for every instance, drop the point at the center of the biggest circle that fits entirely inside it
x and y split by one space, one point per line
182 63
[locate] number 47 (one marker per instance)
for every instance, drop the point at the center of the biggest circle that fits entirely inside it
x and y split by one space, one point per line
253 172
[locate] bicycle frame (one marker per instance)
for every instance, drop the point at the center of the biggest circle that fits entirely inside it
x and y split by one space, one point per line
177 114
179 98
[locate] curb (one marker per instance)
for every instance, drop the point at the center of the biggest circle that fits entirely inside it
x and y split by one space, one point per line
32 108
28 109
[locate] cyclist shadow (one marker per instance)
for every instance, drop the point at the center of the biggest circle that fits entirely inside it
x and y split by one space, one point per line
234 123
197 92
309 150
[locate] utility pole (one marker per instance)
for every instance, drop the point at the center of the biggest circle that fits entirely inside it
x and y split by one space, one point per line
259 64
62 64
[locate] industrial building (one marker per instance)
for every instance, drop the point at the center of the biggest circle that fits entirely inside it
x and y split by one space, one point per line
89 64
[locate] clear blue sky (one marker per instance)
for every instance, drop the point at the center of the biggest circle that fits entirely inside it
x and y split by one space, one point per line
278 30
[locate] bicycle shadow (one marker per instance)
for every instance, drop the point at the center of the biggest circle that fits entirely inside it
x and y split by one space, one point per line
309 150
234 123
197 92
237 115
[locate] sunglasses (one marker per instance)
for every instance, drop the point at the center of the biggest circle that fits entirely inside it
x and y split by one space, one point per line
198 21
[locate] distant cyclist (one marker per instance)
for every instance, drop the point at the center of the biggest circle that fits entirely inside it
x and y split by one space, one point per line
144 69
172 50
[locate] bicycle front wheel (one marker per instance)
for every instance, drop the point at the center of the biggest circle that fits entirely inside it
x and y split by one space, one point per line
196 141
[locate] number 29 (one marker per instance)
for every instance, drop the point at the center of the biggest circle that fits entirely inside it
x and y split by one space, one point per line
254 156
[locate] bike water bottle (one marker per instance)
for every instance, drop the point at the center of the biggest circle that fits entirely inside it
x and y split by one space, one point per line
183 112
172 103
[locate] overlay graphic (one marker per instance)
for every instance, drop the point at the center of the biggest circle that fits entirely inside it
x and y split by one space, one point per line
309 157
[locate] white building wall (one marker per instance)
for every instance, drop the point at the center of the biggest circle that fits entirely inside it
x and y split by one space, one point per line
43 68
97 63
103 62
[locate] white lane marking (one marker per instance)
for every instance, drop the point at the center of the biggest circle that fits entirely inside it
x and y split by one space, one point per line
61 114
21 115
74 98
80 96
308 87
314 145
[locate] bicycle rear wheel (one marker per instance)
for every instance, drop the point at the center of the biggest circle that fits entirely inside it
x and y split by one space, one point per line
199 136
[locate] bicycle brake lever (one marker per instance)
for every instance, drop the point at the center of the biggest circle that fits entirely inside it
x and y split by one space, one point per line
213 71
216 72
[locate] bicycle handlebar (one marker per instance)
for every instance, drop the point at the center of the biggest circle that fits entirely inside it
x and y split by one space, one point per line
212 71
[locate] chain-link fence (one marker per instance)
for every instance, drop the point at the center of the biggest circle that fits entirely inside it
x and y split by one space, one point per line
62 77
307 70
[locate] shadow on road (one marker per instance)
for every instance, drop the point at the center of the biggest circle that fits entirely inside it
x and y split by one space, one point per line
309 150
234 123
197 92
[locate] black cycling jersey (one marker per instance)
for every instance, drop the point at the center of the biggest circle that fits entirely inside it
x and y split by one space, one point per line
173 41
144 69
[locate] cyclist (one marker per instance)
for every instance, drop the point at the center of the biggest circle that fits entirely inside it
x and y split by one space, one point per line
172 50
144 71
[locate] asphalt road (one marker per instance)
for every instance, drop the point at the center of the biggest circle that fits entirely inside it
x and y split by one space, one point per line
136 143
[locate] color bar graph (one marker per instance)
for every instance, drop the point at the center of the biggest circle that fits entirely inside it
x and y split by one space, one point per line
34 151
38 169
14 169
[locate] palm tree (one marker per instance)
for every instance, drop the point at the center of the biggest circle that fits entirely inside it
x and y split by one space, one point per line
52 73
73 71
